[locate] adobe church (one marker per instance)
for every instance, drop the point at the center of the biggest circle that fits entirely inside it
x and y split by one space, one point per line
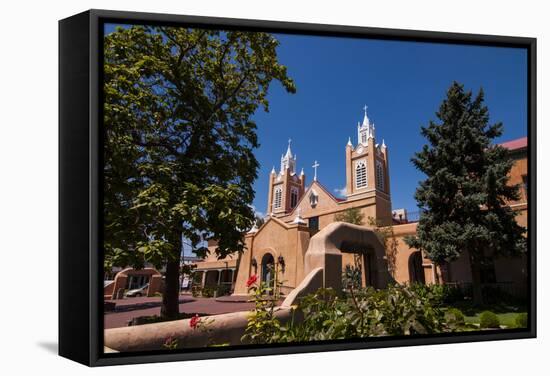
296 212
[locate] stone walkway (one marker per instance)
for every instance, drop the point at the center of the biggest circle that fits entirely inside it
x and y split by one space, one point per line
135 307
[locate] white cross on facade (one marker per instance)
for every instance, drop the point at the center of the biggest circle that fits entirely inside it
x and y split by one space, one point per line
365 108
315 165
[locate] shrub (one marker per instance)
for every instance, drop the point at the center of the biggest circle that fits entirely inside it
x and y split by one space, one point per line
454 316
263 326
208 292
223 290
522 320
351 277
404 311
196 291
489 319
397 310
453 294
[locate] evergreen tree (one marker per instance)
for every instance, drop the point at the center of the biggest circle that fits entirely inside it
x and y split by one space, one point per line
464 198
179 140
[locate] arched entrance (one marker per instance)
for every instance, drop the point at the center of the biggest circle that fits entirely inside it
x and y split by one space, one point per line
359 266
325 250
416 270
268 269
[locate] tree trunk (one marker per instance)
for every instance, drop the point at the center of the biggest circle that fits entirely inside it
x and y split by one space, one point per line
476 280
170 297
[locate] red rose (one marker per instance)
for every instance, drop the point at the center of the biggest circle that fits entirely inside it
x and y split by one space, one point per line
194 321
252 280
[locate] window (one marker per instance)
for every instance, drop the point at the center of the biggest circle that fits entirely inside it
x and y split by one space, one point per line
278 198
363 137
313 223
379 175
360 175
293 197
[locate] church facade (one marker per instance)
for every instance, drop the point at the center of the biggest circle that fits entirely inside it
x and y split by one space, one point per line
296 212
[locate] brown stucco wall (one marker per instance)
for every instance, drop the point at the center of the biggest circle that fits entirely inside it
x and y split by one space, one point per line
278 239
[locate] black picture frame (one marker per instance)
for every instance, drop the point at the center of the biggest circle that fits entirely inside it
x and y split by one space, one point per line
80 264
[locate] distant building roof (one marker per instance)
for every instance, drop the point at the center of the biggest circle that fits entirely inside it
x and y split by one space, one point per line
518 143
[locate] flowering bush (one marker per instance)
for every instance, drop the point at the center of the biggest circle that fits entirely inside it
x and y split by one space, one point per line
194 322
262 326
252 280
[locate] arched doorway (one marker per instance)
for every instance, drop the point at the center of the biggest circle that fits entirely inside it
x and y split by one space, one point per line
416 270
360 269
268 269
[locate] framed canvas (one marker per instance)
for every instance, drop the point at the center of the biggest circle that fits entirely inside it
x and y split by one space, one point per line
190 229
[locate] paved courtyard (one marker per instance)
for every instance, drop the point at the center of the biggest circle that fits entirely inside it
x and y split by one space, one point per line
128 308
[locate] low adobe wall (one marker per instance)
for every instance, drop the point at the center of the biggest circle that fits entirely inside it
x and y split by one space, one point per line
226 328
155 281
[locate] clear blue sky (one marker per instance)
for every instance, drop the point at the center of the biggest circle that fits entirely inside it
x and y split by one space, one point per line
402 83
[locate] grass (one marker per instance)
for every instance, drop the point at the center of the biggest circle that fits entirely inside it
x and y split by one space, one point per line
506 313
507 319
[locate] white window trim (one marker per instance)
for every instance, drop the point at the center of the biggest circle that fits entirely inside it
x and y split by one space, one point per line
364 180
277 197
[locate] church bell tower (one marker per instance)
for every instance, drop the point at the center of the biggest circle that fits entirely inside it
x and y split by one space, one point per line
286 187
367 169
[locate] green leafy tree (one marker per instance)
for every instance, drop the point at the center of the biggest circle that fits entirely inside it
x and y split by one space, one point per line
179 140
351 215
463 200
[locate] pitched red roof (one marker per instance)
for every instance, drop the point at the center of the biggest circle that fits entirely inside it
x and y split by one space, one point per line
518 143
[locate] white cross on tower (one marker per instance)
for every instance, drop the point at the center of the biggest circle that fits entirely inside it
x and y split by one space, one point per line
315 165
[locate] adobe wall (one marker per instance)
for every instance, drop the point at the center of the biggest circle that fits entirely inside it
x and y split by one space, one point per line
121 278
404 253
278 239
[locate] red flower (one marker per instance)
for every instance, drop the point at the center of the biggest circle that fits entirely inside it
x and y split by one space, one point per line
252 280
194 321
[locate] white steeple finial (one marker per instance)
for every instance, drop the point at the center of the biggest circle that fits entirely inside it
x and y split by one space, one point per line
288 151
288 161
349 142
383 143
366 118
315 165
302 173
365 130
273 170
